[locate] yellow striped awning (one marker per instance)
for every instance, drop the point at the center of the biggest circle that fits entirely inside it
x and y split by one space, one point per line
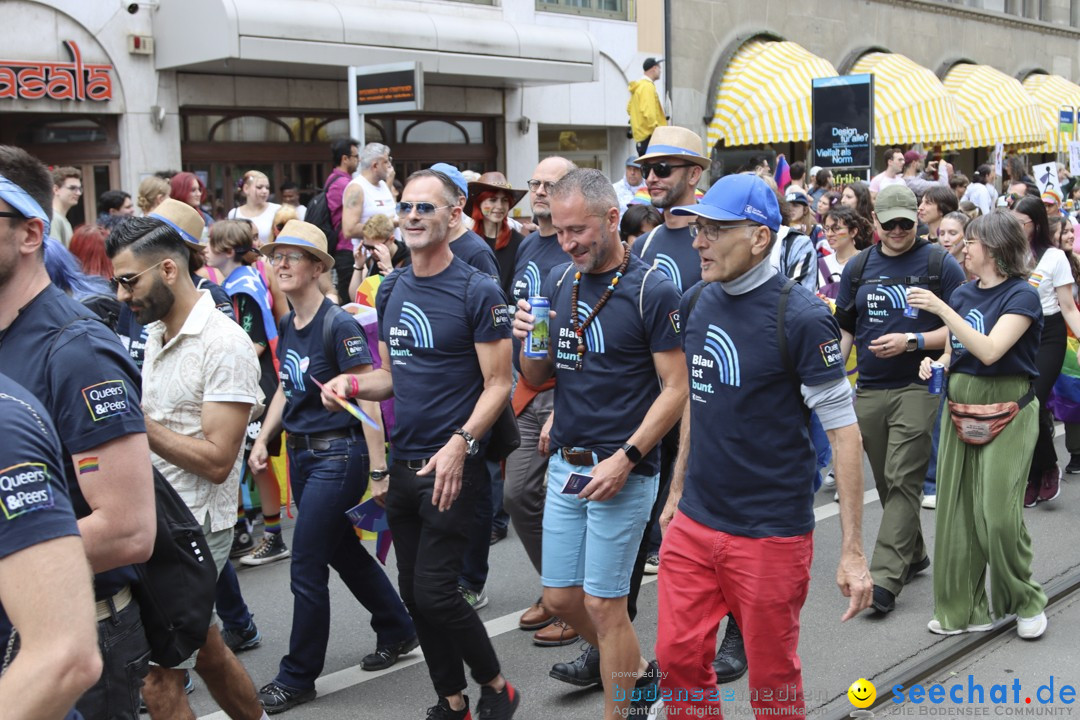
994 108
1051 92
910 103
764 96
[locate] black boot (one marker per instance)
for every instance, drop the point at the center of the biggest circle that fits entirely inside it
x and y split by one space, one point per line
730 662
583 672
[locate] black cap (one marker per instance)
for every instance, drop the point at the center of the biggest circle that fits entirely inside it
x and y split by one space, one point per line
650 63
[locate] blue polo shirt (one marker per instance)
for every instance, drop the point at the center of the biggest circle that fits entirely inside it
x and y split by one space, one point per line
751 467
87 383
600 406
535 258
672 251
302 355
981 309
879 311
430 326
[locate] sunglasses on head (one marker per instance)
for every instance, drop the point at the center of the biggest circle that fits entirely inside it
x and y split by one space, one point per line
902 223
661 169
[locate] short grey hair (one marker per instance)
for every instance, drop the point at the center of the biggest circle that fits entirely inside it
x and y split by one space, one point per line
591 184
371 153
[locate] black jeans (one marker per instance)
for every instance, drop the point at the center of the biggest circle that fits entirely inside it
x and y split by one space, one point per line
343 269
1048 360
126 655
430 547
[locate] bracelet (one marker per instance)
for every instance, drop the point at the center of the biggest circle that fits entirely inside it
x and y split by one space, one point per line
354 386
919 340
357 269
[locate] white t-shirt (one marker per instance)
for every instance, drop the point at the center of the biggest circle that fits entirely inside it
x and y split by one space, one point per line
1052 272
882 181
978 195
263 221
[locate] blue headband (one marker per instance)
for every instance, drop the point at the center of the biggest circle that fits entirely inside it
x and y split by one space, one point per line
184 234
23 202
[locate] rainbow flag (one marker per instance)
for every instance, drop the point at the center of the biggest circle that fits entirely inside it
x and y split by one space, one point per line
783 173
88 465
369 516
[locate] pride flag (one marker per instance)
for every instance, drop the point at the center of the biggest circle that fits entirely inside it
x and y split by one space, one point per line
783 173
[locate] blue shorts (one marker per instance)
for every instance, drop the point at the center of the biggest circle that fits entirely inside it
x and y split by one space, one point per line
593 544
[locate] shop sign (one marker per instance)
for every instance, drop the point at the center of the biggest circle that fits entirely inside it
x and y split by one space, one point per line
843 121
397 87
44 79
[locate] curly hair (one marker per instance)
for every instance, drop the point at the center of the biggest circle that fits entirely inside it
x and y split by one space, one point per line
862 232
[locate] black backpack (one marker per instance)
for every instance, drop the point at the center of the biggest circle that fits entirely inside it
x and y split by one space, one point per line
318 214
176 587
935 265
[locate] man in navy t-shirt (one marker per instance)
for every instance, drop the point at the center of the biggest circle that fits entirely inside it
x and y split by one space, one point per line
44 579
91 390
747 480
526 468
444 337
896 413
614 331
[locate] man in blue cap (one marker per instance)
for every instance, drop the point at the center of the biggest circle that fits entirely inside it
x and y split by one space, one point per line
629 184
752 340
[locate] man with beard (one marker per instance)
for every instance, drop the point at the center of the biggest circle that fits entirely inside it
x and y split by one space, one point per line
54 348
200 382
615 329
444 334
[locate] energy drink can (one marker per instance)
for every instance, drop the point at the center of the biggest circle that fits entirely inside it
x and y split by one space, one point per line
538 342
911 312
937 378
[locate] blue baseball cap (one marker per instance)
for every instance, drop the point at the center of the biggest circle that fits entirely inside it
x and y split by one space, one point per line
454 174
737 197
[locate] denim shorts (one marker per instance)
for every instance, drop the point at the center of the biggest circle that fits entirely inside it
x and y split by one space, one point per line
593 544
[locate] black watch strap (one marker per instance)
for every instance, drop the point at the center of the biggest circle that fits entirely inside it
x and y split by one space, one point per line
377 475
632 452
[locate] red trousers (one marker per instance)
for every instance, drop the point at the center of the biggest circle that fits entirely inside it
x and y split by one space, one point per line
704 574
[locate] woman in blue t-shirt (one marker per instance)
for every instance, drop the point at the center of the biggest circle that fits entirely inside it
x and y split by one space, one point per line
994 328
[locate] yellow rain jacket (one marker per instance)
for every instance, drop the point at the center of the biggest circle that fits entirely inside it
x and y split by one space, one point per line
645 111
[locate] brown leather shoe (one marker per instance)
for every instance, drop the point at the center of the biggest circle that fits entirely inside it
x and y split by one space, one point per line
556 634
535 617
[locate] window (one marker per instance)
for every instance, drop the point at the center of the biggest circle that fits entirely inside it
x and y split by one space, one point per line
613 9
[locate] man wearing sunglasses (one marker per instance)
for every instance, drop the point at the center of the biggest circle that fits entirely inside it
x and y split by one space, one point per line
79 369
896 413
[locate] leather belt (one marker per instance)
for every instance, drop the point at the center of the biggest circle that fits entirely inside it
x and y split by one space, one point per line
104 609
319 441
579 456
414 465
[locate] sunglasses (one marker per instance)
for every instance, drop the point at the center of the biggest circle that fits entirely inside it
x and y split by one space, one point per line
293 258
422 209
902 223
662 169
128 281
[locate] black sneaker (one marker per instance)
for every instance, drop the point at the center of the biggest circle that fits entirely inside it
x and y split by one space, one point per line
884 601
583 672
277 698
246 639
730 661
443 711
498 705
645 700
271 548
242 541
1073 468
916 568
385 657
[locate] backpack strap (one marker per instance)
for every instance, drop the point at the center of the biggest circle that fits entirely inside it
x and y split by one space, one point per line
781 339
648 240
641 293
694 299
331 315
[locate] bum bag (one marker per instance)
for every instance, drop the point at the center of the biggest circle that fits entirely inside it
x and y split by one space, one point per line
980 424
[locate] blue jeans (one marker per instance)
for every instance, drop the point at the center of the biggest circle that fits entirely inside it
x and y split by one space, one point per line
930 483
326 483
229 603
822 449
126 655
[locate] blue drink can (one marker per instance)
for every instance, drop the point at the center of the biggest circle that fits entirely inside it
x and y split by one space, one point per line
937 378
538 342
911 312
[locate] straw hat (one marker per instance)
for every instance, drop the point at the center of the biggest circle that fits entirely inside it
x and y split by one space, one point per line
492 181
306 236
674 141
182 218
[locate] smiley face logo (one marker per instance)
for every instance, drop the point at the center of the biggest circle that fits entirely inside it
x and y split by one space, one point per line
862 693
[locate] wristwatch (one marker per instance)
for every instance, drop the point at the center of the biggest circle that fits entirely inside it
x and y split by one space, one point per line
632 453
473 446
912 342
378 475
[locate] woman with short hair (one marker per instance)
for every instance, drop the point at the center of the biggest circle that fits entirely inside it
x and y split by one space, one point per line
937 202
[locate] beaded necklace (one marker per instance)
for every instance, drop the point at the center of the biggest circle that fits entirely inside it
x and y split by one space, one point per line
580 325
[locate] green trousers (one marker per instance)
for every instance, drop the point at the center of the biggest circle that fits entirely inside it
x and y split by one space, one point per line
896 426
980 512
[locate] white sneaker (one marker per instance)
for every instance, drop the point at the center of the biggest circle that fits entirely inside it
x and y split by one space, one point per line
929 502
836 497
935 627
829 483
1031 628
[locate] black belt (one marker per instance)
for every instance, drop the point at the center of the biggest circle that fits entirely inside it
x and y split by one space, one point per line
413 465
317 441
579 456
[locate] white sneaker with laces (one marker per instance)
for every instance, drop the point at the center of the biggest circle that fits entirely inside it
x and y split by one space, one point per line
1031 628
935 627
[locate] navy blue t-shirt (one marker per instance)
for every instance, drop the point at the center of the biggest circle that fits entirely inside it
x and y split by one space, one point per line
87 383
33 493
880 311
430 326
302 355
133 335
751 468
472 248
601 406
673 252
535 258
981 309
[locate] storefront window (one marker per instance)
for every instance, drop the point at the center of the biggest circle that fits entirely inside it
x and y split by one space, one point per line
64 131
614 9
460 132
